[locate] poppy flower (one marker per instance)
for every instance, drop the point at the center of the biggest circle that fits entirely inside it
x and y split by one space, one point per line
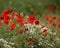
31 19
1 17
54 17
6 21
13 15
18 15
53 24
21 24
20 19
51 8
26 29
44 30
37 22
21 31
8 11
30 42
4 15
12 26
50 21
7 17
42 26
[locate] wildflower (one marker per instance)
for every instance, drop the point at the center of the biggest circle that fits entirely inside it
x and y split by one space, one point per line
1 17
8 11
7 17
37 22
13 15
31 19
54 24
5 21
21 31
42 26
26 29
18 15
44 30
51 8
50 21
30 42
12 26
21 24
54 17
20 19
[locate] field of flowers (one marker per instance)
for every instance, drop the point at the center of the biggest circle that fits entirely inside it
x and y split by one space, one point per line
23 31
29 23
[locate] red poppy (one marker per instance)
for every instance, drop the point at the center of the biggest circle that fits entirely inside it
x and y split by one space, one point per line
5 21
31 19
37 22
21 24
30 42
42 26
54 24
21 31
50 21
12 26
13 15
26 29
7 17
54 17
51 8
4 15
18 15
8 11
1 17
44 30
20 19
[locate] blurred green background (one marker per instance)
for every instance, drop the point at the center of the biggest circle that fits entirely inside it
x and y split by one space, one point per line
30 6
